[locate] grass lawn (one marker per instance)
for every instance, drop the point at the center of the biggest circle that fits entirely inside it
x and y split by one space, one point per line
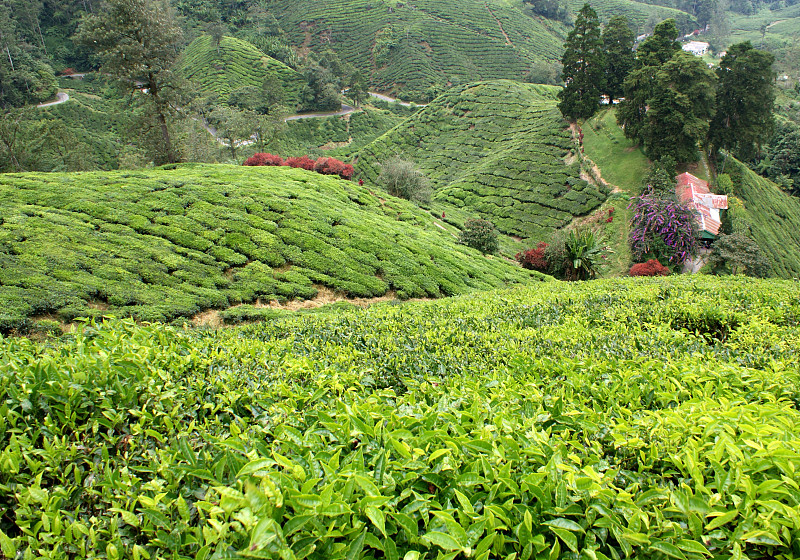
621 162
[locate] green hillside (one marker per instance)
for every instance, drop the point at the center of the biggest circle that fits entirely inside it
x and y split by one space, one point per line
236 64
336 136
774 217
639 14
649 418
168 243
774 30
407 46
497 148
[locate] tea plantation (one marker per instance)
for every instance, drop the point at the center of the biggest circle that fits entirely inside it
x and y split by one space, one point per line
335 135
649 418
171 242
639 14
235 64
774 217
497 148
414 45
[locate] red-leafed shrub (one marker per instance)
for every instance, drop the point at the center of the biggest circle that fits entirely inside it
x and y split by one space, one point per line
68 72
324 165
302 162
534 259
649 268
263 159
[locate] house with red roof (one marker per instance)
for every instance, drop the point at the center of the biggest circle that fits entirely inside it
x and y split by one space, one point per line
706 204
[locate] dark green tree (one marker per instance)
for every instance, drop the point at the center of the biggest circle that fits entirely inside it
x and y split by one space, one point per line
138 42
660 46
618 46
745 99
583 67
638 87
680 108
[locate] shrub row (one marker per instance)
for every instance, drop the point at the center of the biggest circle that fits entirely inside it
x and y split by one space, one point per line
323 165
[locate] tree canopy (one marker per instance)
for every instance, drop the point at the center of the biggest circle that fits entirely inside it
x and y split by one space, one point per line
138 42
583 67
745 98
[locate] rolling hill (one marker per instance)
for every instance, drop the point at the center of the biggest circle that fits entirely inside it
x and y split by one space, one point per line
774 217
407 46
171 242
500 149
235 64
639 14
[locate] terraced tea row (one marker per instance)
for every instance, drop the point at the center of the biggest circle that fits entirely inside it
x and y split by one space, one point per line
219 70
408 46
497 148
612 419
169 243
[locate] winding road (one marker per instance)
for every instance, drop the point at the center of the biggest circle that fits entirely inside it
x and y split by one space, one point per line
61 97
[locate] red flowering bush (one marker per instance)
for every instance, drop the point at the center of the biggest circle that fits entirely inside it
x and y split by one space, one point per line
324 165
302 162
263 159
68 72
534 259
649 268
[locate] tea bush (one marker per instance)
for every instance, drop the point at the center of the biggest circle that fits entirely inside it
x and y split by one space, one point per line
167 243
234 64
496 149
639 418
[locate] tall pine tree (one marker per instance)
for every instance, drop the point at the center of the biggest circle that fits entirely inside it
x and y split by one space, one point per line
583 67
745 99
618 46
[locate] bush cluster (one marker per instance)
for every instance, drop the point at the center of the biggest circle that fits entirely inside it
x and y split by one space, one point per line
534 259
323 165
649 268
479 234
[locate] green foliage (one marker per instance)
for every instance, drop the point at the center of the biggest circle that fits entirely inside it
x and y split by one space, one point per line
402 178
236 64
137 42
408 47
738 254
171 242
497 423
495 149
618 40
479 234
583 67
584 253
773 217
745 99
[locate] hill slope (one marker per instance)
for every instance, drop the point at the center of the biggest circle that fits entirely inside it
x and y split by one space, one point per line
235 64
498 148
555 414
774 218
410 45
169 243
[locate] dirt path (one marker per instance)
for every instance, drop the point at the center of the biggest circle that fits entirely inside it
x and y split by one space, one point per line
500 25
325 296
61 97
596 175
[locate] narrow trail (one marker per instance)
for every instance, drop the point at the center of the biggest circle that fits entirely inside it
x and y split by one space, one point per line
499 24
596 175
61 97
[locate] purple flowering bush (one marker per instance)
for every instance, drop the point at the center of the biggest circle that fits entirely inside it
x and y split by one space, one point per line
662 227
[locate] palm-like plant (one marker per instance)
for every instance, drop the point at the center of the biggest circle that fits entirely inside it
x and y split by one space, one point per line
585 253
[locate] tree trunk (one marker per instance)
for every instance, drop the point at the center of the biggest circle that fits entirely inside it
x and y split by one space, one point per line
152 89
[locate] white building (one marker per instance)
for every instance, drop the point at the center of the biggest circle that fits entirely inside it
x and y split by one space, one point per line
697 48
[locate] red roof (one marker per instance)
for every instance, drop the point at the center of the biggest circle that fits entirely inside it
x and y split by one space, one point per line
695 191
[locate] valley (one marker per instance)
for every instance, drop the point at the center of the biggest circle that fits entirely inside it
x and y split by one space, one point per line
403 280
